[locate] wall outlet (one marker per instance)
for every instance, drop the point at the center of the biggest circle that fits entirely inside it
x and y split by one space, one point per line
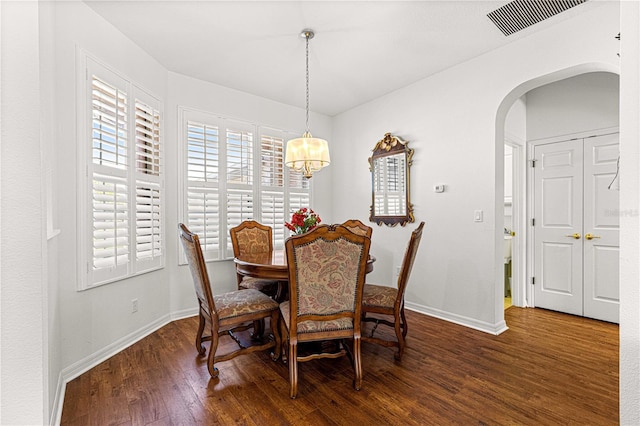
134 306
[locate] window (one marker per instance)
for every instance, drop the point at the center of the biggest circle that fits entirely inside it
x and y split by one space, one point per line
242 165
121 208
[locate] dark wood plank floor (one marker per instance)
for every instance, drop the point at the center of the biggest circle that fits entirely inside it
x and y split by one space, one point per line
547 369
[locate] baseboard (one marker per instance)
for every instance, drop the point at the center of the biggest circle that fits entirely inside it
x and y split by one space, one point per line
184 313
87 363
486 327
56 415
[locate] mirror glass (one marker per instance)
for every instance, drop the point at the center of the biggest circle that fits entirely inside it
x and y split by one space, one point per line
389 166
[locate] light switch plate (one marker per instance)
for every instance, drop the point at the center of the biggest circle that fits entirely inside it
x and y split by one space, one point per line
478 216
438 188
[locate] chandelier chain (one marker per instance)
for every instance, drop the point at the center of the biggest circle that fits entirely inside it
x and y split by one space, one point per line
307 75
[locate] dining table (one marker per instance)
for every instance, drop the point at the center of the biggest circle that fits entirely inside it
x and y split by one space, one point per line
273 266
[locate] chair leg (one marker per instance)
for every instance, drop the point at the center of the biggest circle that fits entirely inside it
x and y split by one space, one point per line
357 363
258 329
213 371
404 322
400 334
293 369
281 292
199 346
275 325
284 337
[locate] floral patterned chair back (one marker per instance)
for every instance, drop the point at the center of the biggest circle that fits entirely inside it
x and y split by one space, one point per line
326 278
357 227
251 237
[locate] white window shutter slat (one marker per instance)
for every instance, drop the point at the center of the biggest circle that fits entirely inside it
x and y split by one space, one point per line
272 161
273 215
203 218
239 156
110 228
109 125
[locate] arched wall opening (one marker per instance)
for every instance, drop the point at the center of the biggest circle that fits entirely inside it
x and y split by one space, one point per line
500 136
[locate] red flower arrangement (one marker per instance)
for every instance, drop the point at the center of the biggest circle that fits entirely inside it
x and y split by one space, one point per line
303 220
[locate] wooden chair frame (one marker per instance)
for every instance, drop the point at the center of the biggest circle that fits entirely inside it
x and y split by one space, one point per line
399 323
326 233
258 307
237 251
357 227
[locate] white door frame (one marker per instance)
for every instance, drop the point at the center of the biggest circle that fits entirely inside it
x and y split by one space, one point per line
518 205
530 248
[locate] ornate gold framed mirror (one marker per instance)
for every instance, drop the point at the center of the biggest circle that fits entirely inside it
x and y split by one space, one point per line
390 184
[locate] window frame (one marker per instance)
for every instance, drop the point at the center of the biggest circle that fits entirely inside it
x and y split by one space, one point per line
148 207
224 249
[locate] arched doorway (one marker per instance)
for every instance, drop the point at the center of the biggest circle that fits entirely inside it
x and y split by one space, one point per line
520 244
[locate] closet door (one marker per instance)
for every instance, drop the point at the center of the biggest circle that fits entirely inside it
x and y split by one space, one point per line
576 232
558 226
601 227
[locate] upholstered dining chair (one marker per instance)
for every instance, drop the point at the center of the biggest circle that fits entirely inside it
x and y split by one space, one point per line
227 314
326 278
389 301
357 227
253 237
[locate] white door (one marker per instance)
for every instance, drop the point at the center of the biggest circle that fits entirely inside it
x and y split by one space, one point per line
601 227
558 226
576 227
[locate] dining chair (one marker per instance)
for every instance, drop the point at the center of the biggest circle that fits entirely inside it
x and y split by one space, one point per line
253 237
355 226
326 278
389 301
228 314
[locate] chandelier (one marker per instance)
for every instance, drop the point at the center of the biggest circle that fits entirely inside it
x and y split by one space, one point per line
307 154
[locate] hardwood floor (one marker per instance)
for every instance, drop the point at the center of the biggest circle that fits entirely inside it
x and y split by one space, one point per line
547 369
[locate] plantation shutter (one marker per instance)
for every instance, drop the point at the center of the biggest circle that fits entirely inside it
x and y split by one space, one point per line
239 208
297 201
120 198
149 250
273 215
272 180
239 156
235 172
108 171
203 178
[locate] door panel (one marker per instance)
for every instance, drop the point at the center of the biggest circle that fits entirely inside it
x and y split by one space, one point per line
558 204
601 220
557 270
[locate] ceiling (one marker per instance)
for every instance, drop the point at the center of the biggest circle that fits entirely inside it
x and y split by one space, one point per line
361 50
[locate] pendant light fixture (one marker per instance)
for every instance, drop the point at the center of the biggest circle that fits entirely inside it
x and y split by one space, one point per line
307 154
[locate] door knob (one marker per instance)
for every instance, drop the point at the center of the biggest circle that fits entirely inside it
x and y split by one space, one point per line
575 236
590 236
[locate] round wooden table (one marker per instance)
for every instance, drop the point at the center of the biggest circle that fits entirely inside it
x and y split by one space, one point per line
272 266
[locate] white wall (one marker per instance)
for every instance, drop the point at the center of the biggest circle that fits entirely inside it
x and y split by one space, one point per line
24 325
450 121
577 104
630 217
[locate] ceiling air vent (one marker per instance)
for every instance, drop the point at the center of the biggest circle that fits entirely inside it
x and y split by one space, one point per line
520 14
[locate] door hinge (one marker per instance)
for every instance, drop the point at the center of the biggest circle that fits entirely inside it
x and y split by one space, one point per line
533 280
533 163
533 222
